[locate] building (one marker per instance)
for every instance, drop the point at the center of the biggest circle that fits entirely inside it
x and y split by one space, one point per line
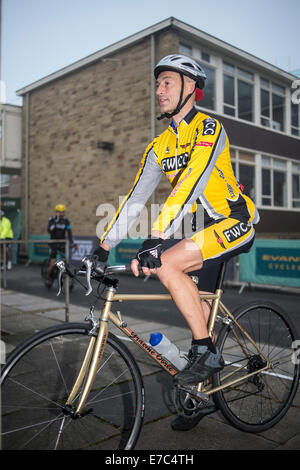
10 149
10 166
86 127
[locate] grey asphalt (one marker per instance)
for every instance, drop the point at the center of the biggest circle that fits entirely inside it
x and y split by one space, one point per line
23 313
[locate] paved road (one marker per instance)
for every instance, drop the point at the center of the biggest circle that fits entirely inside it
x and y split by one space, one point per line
27 306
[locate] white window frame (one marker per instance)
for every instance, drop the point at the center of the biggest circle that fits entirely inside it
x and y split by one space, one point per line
196 53
236 159
270 89
236 76
293 127
293 172
257 163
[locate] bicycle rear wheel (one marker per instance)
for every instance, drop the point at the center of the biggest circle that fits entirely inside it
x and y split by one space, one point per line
37 379
259 402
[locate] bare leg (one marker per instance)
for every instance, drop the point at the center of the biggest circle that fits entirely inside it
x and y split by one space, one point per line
50 267
182 258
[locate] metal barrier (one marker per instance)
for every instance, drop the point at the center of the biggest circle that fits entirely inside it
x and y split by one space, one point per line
46 242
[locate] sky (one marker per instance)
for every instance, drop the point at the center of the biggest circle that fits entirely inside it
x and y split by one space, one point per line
39 37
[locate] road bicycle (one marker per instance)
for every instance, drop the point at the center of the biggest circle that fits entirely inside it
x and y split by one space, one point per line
78 386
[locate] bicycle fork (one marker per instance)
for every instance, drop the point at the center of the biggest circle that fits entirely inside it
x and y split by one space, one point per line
92 358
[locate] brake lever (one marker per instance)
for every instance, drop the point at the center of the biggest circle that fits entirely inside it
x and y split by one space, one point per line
62 269
88 264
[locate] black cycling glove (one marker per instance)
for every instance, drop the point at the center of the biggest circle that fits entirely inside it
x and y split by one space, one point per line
100 257
149 255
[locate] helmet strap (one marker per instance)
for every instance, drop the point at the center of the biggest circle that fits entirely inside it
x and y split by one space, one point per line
179 104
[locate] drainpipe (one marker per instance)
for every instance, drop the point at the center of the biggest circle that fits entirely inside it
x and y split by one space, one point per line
152 93
152 86
26 202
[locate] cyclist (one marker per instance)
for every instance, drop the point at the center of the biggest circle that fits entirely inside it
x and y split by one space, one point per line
6 233
58 226
193 152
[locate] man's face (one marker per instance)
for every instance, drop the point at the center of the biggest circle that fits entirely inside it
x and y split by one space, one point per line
60 214
168 90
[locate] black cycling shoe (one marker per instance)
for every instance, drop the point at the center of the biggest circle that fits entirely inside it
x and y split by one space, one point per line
202 365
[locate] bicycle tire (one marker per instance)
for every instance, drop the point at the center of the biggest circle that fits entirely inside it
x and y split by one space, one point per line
258 403
44 268
36 381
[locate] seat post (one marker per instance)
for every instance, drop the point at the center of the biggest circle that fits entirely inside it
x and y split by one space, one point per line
221 275
215 304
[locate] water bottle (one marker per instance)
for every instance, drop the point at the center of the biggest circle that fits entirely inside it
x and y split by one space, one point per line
169 350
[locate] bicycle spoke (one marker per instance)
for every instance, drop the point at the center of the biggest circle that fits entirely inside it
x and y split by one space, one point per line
59 368
34 392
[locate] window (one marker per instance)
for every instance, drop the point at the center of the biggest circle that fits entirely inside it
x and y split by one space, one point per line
185 49
243 164
209 100
295 120
4 184
274 182
204 58
270 182
272 107
296 185
238 92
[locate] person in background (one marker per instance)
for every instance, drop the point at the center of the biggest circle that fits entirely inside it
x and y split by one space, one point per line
6 233
58 227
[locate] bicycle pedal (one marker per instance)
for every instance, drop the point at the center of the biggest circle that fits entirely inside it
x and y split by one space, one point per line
192 390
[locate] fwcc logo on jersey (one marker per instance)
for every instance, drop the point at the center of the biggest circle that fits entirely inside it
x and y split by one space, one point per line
296 93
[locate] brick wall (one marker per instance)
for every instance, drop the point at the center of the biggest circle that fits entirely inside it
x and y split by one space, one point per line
109 101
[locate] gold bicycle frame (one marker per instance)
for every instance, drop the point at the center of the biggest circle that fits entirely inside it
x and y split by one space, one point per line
97 343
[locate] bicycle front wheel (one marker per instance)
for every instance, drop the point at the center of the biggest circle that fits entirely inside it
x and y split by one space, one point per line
36 382
258 402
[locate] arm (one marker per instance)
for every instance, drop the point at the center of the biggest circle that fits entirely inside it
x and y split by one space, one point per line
145 183
51 225
69 231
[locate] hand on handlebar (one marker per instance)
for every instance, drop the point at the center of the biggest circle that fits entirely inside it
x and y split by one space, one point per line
99 259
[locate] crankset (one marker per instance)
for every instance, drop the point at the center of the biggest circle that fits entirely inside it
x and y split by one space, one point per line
189 401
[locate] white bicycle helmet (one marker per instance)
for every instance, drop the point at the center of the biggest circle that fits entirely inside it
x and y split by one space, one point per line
184 66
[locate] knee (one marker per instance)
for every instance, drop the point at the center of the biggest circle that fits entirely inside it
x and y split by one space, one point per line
167 271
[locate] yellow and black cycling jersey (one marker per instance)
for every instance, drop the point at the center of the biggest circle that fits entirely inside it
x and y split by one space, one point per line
195 158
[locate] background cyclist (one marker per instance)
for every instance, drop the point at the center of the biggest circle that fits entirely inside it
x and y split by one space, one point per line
58 227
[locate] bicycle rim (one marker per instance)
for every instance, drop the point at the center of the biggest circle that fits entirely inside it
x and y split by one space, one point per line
259 402
38 378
